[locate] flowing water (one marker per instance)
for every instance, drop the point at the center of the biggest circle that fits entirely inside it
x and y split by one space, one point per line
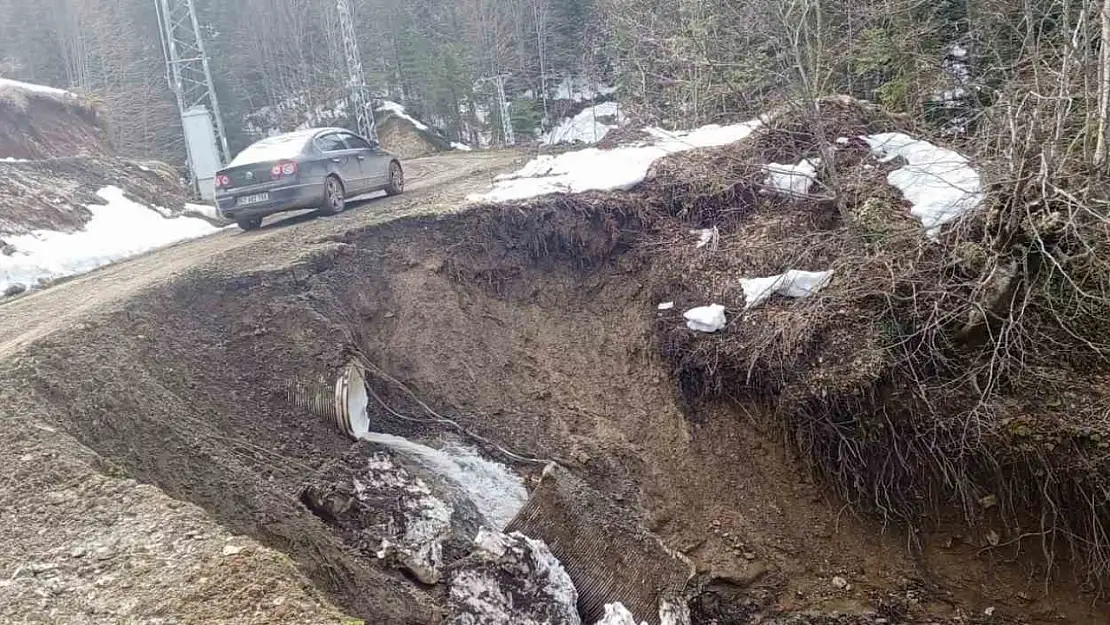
495 490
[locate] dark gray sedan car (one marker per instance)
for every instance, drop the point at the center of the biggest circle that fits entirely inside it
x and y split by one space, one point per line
318 168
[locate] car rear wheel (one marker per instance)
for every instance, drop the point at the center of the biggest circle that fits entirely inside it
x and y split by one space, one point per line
396 179
335 198
254 223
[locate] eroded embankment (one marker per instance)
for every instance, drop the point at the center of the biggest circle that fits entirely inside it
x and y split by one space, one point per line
537 326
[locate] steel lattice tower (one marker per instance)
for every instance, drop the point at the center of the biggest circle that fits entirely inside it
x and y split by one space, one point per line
359 94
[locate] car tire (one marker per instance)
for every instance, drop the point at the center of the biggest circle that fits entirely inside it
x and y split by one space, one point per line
335 197
254 223
396 184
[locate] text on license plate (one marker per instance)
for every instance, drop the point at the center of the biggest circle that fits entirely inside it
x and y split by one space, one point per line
252 199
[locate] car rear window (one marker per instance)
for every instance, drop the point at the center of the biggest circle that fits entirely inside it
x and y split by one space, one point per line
272 149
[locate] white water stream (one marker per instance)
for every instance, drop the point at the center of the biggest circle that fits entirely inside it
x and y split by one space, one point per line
496 491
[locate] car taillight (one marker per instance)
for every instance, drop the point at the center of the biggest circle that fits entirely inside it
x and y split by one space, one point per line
223 181
284 168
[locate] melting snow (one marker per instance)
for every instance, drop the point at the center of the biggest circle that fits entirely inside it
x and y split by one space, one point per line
583 92
519 583
594 169
207 210
496 491
8 83
590 126
669 614
617 614
399 111
793 283
792 180
706 318
940 184
118 229
427 520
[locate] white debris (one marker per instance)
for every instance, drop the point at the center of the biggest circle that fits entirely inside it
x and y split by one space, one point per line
665 306
793 283
589 126
119 229
706 318
705 235
940 184
399 111
593 169
792 180
462 147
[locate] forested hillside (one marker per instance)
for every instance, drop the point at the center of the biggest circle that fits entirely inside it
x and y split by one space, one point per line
998 69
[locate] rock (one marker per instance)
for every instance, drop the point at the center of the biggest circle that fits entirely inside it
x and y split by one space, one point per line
232 550
748 555
840 583
14 289
77 552
103 553
511 579
390 508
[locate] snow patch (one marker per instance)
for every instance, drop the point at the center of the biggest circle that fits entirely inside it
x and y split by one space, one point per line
512 579
399 111
593 169
793 283
940 184
617 614
580 90
460 146
706 318
792 180
427 518
120 228
12 159
665 306
590 126
7 83
207 210
495 490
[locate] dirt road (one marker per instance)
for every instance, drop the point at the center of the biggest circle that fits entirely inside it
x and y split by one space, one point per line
83 543
435 184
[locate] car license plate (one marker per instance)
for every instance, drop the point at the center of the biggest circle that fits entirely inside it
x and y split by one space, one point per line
252 199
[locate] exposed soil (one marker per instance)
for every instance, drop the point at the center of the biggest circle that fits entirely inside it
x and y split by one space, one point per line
36 126
402 137
535 326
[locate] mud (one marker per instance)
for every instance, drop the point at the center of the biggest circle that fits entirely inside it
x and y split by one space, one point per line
537 329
